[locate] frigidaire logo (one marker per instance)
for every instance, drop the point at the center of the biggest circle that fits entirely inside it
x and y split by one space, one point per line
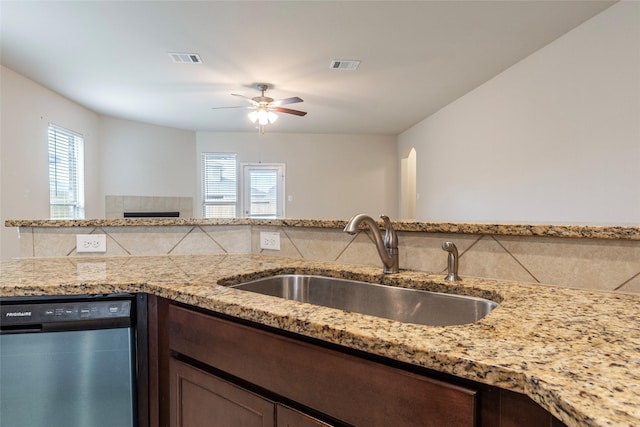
18 314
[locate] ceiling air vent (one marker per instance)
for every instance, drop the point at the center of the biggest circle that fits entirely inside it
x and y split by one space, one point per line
185 58
344 64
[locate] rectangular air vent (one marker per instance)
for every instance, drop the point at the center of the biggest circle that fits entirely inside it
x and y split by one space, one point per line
344 64
185 58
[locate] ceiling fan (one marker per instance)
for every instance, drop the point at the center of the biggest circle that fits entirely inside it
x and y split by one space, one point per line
264 107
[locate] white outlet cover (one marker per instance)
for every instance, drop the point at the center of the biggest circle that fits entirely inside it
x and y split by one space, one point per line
269 240
91 243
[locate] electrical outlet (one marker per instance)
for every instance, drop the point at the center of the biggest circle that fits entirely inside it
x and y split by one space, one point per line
270 241
91 243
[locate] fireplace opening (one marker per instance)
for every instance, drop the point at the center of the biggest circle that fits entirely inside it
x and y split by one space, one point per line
173 214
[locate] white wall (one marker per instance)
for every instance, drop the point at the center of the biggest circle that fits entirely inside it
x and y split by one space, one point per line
555 138
327 176
138 159
27 108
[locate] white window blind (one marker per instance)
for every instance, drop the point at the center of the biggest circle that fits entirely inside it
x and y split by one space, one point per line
219 185
66 174
263 190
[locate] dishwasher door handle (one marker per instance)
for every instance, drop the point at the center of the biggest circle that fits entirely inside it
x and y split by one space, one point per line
21 329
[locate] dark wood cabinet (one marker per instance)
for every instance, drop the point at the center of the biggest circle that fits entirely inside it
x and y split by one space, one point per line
220 366
287 417
200 399
341 386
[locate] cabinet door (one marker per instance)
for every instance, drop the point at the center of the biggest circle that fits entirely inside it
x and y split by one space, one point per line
200 399
344 387
287 417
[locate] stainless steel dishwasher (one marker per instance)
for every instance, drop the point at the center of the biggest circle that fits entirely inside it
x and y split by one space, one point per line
68 361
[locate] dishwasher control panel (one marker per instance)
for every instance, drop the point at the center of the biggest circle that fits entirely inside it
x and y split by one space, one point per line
44 312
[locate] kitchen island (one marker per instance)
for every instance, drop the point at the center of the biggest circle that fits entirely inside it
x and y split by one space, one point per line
574 352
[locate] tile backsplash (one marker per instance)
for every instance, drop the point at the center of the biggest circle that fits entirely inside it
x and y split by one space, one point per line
602 264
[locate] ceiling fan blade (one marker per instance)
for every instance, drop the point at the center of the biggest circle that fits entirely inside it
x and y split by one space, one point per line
286 101
222 108
288 111
247 98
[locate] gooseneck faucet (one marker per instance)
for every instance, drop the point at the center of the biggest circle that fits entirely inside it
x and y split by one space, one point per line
452 261
387 246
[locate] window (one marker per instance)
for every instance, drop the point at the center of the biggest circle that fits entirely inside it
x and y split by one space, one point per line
261 194
66 174
263 190
219 185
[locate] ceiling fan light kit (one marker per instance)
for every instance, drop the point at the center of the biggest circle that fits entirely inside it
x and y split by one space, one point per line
263 116
263 107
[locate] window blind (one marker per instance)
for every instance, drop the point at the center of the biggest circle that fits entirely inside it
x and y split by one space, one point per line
219 185
66 173
263 186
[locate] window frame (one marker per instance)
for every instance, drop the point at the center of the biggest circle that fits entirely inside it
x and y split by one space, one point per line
65 150
242 191
205 202
245 191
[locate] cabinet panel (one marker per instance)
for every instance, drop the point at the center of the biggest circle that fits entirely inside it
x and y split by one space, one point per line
517 410
287 417
345 387
158 331
201 399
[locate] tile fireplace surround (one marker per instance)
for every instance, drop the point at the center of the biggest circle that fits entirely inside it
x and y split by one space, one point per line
590 257
116 206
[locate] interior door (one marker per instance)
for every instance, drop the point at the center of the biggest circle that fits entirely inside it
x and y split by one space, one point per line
263 190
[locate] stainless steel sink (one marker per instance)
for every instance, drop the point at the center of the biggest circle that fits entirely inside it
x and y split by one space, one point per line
390 302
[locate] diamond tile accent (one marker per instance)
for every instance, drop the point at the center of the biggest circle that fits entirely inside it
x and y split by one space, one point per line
487 258
632 285
579 263
231 239
197 242
319 244
142 241
361 250
56 241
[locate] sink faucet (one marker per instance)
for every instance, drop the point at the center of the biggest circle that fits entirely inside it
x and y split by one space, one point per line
387 247
452 261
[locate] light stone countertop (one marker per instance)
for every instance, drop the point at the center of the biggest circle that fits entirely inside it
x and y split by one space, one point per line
622 232
575 352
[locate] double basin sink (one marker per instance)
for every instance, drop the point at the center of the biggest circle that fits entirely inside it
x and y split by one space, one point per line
389 302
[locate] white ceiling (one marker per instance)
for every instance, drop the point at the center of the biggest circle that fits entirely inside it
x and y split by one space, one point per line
417 56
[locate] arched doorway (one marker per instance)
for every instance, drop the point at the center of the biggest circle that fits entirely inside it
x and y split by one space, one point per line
408 185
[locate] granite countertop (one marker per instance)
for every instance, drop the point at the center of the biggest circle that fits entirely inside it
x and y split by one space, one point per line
575 352
622 232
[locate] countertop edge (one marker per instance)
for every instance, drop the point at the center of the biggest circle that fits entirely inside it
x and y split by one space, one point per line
608 232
